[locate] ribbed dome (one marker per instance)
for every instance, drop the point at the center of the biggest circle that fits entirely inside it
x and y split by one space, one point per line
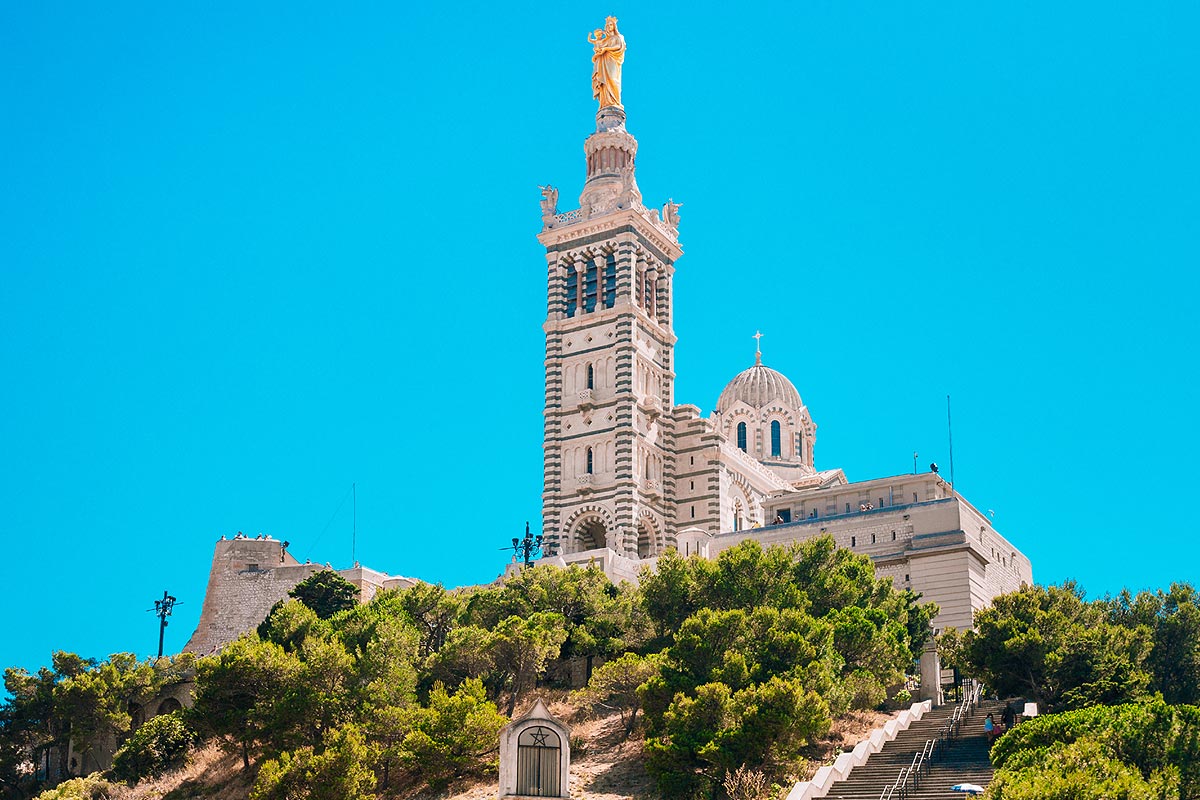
758 387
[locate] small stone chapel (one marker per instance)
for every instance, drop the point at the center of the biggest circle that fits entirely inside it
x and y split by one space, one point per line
535 756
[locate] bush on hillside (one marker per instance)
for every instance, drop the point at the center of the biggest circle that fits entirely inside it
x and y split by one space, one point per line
1081 770
455 736
162 743
1158 743
93 787
340 771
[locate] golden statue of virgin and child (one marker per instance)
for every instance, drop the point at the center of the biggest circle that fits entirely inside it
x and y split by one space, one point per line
608 54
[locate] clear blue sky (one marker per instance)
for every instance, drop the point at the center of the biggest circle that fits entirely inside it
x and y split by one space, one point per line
252 253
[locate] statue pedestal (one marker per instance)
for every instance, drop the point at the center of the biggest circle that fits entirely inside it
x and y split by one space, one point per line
610 118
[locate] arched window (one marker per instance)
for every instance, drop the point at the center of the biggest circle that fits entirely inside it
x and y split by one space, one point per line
741 436
572 291
590 285
610 280
776 438
589 461
591 377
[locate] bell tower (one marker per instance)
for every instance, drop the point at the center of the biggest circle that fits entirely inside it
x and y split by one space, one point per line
609 436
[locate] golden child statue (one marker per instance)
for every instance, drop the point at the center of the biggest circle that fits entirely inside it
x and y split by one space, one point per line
609 53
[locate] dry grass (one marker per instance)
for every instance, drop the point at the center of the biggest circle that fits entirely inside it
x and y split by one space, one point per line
604 764
845 733
211 774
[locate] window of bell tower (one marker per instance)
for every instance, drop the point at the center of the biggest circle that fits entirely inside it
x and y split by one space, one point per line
590 285
741 436
776 438
572 289
610 281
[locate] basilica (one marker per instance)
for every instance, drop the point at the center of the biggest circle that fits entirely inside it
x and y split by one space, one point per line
629 472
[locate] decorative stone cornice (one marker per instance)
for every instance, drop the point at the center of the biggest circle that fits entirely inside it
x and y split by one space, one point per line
572 226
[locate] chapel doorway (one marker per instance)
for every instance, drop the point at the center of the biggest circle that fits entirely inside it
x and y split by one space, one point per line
538 762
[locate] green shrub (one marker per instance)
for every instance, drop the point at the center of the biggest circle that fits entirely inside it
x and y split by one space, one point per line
864 689
93 787
454 737
162 743
1081 770
341 771
1159 743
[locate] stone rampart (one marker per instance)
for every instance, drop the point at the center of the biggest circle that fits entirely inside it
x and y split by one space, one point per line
248 576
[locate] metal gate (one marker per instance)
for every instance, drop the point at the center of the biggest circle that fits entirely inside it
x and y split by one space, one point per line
538 751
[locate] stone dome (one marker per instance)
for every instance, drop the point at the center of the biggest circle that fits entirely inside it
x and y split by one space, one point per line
757 387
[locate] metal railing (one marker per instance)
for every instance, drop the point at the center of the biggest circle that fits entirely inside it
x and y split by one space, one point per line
972 691
910 777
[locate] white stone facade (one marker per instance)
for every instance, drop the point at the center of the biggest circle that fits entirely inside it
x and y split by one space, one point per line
629 474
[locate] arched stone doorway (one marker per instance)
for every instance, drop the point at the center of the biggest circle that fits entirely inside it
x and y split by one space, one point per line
648 540
538 762
169 705
590 534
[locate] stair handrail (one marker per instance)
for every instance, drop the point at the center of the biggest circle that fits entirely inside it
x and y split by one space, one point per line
891 789
945 736
970 702
912 768
927 754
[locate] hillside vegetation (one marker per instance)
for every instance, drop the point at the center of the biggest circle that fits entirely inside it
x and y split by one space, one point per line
1117 682
714 673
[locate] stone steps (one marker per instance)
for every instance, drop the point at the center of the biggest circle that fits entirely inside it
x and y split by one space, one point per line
965 761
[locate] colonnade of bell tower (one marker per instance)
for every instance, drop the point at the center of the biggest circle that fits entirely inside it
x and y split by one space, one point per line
609 434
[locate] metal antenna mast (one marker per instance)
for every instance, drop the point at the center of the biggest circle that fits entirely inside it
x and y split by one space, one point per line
354 526
950 435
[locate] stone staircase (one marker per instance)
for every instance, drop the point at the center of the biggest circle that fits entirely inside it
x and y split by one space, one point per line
965 760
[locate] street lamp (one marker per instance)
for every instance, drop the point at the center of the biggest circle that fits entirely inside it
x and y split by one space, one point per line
528 548
162 609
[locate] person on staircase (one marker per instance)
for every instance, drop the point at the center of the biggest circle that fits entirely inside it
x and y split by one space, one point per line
1007 717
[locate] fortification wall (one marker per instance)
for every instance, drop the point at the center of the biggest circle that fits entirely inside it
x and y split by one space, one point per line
248 576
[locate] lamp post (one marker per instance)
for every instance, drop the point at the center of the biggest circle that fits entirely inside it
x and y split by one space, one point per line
527 548
162 609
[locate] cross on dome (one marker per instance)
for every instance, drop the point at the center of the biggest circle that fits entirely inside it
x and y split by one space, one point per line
757 337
